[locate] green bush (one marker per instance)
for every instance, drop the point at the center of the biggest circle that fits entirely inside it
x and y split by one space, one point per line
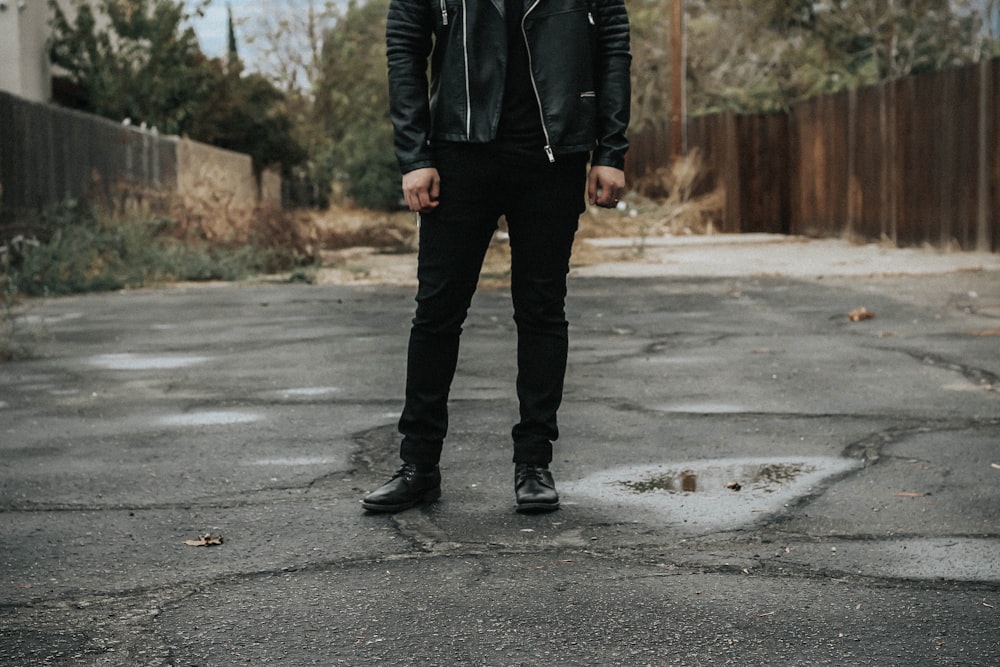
370 168
79 250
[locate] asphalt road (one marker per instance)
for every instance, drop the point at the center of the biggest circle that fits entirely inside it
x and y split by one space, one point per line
748 476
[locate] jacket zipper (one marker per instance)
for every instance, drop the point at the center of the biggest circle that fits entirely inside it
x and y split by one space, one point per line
465 55
444 12
534 85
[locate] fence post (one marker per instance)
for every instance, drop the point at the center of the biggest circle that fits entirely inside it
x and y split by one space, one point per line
982 160
850 224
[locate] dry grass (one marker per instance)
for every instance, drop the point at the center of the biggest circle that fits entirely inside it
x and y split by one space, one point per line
357 245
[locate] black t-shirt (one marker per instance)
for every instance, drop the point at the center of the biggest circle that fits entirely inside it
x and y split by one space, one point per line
520 125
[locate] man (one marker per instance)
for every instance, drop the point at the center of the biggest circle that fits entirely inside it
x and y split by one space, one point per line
521 93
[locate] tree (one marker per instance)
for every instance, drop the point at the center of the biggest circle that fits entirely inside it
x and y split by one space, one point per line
142 66
352 105
764 55
888 39
243 113
142 61
287 41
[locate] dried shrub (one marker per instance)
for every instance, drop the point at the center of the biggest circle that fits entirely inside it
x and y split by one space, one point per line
338 228
690 201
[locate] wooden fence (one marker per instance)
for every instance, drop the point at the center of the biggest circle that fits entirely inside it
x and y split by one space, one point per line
49 155
913 161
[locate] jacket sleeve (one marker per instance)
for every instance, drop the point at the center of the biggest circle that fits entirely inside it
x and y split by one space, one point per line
408 36
614 88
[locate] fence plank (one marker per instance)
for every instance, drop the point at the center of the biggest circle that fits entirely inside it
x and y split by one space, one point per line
988 229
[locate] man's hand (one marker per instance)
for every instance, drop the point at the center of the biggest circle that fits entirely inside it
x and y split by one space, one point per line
605 186
421 188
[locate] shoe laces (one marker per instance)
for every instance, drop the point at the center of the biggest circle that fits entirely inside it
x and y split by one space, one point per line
530 470
405 470
411 470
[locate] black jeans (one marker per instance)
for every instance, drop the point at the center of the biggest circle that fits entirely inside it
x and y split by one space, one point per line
542 203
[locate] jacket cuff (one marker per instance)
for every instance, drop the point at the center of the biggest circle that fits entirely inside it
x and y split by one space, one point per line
413 166
608 158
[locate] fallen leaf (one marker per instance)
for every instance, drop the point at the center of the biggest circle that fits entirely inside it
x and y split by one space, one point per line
984 332
205 540
734 486
909 494
859 314
995 465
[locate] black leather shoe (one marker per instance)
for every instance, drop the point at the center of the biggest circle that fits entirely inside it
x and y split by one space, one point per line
534 488
408 487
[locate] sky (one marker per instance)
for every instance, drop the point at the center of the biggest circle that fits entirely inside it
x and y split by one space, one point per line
211 28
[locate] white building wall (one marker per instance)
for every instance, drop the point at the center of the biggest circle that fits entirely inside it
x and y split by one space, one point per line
24 63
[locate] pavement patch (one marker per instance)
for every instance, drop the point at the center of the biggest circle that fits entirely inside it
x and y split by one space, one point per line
947 558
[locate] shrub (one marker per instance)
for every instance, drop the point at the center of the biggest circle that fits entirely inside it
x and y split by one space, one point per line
81 250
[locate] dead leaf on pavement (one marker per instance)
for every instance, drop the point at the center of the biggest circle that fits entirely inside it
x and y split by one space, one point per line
995 465
909 494
205 540
734 486
984 332
859 314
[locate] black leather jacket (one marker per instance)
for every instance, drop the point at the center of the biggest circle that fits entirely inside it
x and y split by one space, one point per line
579 55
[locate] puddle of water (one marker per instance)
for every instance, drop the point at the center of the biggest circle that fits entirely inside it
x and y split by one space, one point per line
300 461
704 408
50 319
766 477
135 362
675 361
306 392
709 495
218 418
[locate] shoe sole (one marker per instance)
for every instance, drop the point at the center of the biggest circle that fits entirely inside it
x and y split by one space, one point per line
536 508
428 497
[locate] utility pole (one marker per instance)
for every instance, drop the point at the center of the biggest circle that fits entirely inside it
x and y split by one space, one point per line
677 111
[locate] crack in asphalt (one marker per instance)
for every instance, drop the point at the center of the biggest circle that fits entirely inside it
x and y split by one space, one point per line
987 379
128 626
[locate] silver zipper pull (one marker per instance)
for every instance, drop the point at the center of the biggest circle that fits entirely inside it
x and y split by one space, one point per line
548 151
590 17
444 13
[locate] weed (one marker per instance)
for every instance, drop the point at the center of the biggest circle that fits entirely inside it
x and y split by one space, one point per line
81 249
15 342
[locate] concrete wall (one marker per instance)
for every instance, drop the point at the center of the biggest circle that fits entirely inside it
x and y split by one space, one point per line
270 188
24 63
206 171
